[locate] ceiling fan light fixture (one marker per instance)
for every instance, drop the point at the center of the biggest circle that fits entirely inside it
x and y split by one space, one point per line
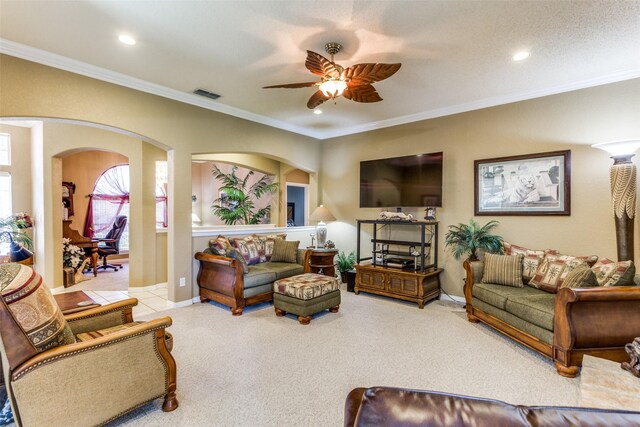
333 88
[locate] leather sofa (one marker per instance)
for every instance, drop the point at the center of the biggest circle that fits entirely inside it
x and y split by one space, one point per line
565 326
223 280
386 406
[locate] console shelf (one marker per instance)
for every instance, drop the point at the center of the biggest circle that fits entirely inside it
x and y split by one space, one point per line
419 283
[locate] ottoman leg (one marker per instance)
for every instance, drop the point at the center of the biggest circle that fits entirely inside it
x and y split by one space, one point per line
335 309
279 312
304 320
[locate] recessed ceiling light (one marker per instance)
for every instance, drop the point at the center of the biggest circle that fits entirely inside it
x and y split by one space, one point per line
126 39
521 55
317 111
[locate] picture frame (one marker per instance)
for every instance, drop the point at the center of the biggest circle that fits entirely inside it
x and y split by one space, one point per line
531 184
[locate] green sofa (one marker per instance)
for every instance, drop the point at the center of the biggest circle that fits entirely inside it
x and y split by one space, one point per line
565 326
223 280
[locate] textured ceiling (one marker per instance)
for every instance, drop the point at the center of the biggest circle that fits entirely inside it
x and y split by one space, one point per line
455 55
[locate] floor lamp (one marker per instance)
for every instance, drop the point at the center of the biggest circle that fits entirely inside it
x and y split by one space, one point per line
623 192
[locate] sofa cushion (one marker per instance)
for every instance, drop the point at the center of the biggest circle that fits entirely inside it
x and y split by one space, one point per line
258 275
285 251
284 269
514 321
554 269
503 270
611 273
265 244
536 309
531 258
306 286
247 247
580 277
33 307
496 295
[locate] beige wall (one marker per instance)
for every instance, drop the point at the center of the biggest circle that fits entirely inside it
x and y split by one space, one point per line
570 121
33 90
83 169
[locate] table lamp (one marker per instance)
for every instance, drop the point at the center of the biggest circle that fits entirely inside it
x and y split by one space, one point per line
623 192
321 214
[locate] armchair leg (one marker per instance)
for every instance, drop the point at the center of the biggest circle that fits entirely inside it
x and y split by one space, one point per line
170 401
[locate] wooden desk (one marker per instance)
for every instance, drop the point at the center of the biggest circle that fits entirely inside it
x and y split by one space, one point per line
69 302
91 245
320 261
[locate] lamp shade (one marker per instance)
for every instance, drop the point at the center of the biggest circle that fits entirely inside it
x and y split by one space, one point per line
321 214
619 148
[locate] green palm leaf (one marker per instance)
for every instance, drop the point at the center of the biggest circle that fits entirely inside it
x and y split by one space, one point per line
470 238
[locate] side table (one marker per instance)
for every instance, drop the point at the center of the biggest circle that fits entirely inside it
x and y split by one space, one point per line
320 261
73 302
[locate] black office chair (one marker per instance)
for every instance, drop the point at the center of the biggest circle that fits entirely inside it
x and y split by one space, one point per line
110 244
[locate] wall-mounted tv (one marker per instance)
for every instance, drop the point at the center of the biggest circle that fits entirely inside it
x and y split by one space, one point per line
408 181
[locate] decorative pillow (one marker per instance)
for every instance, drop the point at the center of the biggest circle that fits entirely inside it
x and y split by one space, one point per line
503 270
531 261
247 247
232 253
611 273
285 251
554 269
580 277
33 307
265 244
220 245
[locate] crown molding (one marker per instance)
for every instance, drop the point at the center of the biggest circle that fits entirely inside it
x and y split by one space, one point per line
483 103
32 54
64 63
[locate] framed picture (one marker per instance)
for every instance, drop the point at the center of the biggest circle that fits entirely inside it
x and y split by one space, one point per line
532 184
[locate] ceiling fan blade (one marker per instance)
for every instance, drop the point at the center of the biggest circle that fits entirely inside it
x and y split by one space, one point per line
362 93
316 99
292 85
321 66
362 74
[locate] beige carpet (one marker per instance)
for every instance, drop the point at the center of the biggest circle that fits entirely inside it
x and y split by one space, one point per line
263 370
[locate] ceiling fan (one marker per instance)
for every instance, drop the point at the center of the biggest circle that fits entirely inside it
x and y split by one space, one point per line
353 83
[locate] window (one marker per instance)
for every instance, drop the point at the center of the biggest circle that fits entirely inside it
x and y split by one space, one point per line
110 199
162 177
5 149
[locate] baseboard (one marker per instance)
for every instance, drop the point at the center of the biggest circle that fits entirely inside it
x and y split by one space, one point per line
454 298
148 288
195 300
179 304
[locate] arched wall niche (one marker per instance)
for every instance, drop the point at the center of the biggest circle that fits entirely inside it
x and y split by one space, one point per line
31 90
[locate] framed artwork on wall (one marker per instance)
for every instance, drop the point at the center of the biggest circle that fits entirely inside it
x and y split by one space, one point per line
531 184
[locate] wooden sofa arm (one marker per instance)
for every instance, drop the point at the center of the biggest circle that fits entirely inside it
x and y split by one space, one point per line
134 367
596 317
221 274
105 316
474 271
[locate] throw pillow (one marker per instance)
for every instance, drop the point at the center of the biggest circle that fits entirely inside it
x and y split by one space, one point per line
554 269
503 270
247 247
611 273
531 261
220 245
285 251
33 307
580 277
232 253
265 244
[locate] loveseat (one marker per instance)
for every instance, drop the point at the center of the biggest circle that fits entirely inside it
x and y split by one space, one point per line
230 281
386 406
564 326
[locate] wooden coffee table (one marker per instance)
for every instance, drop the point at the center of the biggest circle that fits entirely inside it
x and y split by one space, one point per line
73 302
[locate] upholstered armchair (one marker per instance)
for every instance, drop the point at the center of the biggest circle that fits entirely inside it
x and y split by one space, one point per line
114 366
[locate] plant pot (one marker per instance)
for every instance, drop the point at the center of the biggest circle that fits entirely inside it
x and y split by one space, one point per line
350 280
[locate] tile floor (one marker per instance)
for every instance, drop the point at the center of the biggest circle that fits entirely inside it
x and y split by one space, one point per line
149 300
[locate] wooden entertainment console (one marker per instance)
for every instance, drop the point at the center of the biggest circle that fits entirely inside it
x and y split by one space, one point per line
420 283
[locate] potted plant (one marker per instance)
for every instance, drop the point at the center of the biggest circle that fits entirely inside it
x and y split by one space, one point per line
13 230
470 238
344 264
236 204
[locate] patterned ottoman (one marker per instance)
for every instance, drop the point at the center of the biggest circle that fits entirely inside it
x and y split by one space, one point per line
306 294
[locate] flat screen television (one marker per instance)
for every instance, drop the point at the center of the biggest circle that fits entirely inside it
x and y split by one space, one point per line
408 181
